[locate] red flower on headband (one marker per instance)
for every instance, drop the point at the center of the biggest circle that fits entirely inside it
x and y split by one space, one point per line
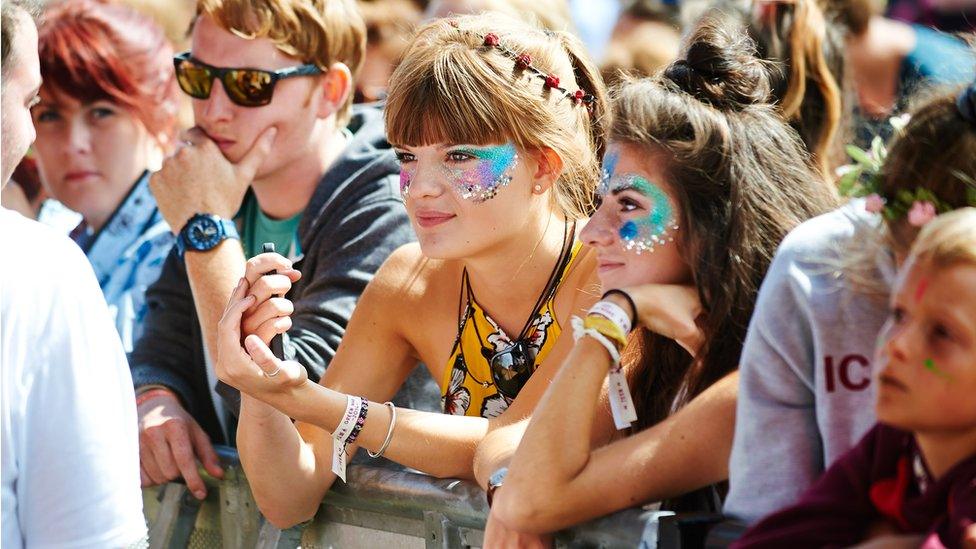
552 81
491 39
578 96
523 61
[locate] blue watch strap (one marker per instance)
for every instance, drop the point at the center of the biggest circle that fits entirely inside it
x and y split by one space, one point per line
227 228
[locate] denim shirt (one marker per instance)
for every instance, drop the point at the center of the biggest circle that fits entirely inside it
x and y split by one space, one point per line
127 256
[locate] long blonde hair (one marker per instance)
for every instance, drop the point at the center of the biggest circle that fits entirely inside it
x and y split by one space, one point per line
452 88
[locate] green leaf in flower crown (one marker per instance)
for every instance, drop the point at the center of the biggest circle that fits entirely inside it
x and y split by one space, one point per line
848 184
861 157
878 151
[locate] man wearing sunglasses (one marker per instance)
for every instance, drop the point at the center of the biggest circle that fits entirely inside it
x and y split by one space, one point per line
277 155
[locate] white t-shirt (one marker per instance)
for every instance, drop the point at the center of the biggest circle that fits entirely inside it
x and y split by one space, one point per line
70 449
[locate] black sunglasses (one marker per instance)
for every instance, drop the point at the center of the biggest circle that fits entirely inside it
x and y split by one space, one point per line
512 367
245 87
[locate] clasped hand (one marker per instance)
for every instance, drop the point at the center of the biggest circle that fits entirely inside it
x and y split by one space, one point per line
253 316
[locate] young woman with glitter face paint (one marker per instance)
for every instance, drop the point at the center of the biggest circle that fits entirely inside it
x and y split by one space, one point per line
500 159
702 180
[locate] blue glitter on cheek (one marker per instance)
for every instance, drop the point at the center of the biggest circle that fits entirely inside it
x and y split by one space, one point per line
652 230
628 231
493 170
609 167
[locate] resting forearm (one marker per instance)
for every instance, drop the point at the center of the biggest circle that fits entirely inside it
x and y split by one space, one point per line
437 444
686 451
556 445
213 276
280 466
497 449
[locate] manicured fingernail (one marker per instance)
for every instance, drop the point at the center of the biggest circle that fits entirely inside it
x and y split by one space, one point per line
200 494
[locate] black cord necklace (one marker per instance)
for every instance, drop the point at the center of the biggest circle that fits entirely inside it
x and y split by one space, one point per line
511 366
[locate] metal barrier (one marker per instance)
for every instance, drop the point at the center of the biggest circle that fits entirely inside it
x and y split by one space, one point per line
378 507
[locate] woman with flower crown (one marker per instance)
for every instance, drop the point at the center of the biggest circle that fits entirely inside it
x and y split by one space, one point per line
806 391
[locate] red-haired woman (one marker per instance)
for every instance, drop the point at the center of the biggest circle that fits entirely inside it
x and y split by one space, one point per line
107 114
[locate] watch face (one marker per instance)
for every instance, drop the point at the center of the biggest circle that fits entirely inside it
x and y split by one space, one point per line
203 233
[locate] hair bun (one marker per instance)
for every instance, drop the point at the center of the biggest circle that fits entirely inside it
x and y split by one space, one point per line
720 67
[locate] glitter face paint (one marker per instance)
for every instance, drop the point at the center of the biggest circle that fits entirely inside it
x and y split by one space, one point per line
491 169
654 229
920 289
930 366
480 180
406 177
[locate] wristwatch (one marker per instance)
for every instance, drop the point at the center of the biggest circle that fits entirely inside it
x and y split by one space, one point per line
495 482
203 232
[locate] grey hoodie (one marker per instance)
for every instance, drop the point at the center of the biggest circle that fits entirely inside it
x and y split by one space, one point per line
806 391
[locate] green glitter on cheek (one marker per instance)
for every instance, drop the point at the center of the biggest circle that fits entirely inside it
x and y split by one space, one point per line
654 229
930 366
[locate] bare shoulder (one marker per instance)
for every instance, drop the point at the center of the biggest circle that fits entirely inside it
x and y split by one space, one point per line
581 287
408 277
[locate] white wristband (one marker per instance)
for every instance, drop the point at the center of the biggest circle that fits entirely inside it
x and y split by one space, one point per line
579 331
614 313
621 404
341 435
345 427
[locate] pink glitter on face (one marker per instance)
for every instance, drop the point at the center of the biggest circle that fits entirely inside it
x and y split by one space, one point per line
406 177
490 169
475 173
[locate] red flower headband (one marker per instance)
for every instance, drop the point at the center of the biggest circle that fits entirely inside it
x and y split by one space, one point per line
523 62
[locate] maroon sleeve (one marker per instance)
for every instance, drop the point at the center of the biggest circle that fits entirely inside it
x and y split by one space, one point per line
834 511
962 506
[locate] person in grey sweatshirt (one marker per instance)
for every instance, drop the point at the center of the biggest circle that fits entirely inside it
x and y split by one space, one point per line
806 387
273 159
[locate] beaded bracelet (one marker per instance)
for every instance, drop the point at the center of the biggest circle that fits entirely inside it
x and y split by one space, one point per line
360 421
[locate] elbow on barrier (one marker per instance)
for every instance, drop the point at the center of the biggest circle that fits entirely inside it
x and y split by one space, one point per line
379 506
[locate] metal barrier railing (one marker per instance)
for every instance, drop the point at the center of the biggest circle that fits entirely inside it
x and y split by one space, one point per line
378 507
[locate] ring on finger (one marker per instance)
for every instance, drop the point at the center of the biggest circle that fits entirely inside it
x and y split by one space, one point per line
274 373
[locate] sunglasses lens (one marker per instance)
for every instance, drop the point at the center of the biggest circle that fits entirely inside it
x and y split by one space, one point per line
194 80
511 369
249 88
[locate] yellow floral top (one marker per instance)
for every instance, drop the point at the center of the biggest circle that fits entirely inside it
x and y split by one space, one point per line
468 388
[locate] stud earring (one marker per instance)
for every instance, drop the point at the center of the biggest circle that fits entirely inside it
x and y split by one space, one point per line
538 188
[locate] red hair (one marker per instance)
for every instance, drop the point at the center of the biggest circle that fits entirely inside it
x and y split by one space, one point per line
93 51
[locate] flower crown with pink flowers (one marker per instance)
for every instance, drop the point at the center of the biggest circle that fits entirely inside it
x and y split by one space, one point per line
862 179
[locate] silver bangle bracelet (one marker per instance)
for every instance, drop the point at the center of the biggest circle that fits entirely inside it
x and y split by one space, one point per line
389 433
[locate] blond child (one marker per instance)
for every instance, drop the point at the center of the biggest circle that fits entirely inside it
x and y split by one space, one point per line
912 478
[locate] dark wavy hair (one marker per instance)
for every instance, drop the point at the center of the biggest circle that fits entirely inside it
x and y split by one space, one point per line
743 179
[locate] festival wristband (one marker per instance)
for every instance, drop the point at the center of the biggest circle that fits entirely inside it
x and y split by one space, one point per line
608 328
621 403
342 433
614 313
627 298
360 421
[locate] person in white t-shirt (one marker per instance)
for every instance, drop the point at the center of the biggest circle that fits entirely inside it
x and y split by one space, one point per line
68 433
